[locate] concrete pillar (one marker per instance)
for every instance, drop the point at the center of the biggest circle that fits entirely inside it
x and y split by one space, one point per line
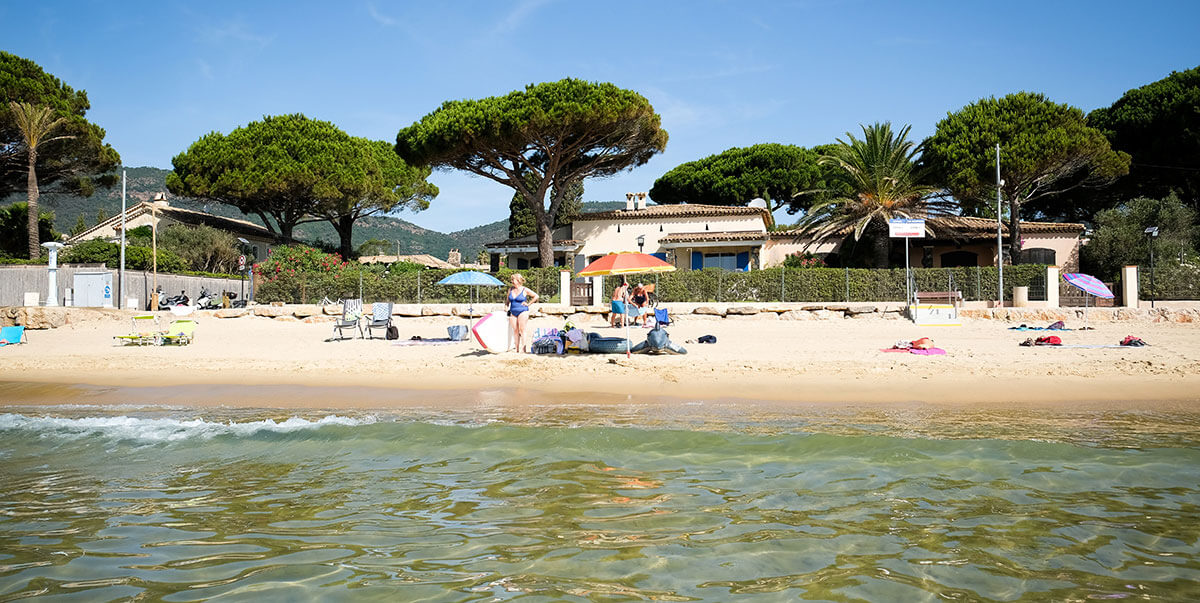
564 287
1020 297
52 294
1129 286
1052 286
597 290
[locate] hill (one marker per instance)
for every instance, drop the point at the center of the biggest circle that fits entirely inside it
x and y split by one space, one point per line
143 182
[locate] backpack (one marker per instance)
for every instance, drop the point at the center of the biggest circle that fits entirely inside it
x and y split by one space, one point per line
393 332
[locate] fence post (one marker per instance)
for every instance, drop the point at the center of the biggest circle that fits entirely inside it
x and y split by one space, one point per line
1051 286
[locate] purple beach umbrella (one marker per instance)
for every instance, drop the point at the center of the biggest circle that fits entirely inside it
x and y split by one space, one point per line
1088 284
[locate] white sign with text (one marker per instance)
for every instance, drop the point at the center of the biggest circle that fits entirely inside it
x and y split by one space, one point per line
906 229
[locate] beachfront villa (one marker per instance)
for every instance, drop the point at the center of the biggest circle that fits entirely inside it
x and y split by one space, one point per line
697 236
160 214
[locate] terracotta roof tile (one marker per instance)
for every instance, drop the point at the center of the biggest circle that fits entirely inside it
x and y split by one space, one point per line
706 237
682 210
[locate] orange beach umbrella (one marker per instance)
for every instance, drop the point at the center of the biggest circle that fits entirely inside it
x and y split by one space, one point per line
625 262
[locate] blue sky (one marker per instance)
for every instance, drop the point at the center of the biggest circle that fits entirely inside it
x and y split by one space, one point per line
721 74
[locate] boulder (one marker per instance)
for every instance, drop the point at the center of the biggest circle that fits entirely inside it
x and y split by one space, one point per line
776 308
409 310
437 310
741 311
271 311
231 313
708 311
286 318
318 319
827 315
332 309
305 310
856 310
796 315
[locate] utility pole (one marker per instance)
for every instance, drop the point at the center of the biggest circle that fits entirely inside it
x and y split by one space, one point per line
121 275
999 238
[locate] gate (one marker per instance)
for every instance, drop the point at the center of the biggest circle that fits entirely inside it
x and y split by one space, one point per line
581 293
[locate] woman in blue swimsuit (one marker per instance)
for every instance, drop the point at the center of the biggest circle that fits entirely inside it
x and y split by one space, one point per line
518 300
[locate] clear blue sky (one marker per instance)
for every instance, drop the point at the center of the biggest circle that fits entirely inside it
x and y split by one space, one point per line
721 74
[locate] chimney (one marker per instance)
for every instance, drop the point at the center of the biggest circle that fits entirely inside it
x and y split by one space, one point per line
641 200
455 257
629 201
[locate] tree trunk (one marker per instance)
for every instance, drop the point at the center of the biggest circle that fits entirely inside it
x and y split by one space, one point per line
882 245
32 189
1014 233
344 225
545 241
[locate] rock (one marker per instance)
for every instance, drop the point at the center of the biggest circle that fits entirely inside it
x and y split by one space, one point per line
277 304
776 308
812 307
796 315
286 318
318 319
332 309
741 311
556 310
437 310
827 315
305 310
1184 316
231 313
271 311
409 310
856 310
708 311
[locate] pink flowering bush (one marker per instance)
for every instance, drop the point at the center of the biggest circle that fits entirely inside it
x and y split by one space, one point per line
803 260
292 260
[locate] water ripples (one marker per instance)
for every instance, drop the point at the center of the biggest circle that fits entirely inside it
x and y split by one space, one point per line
393 508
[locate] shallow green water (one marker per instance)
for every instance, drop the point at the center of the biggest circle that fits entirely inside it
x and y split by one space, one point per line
599 504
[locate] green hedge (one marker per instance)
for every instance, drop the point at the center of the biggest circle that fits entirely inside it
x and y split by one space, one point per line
399 286
1172 280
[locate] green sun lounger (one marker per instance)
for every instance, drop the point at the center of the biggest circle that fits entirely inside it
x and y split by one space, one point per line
146 331
179 332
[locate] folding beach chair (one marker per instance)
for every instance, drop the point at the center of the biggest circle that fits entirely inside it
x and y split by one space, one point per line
12 336
351 313
179 332
146 331
381 318
662 316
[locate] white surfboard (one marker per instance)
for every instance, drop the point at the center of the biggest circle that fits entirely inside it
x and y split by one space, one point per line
493 332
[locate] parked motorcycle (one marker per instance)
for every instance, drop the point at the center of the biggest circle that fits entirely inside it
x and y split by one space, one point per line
166 303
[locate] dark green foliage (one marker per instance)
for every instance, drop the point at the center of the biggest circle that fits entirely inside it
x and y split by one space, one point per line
398 285
560 132
14 225
775 172
375 247
1159 126
521 222
1119 238
97 251
70 163
1047 150
80 226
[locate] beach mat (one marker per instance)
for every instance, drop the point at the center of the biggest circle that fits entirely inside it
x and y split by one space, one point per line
431 341
917 351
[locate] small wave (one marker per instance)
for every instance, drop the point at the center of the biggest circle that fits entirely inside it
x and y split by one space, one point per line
165 430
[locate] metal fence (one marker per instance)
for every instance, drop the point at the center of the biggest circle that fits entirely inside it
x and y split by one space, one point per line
17 280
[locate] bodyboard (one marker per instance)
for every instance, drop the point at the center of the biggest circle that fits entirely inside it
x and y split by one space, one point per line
493 333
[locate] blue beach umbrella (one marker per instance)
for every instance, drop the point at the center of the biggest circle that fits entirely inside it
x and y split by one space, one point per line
475 279
1090 285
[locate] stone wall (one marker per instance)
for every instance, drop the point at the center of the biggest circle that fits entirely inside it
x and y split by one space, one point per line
53 317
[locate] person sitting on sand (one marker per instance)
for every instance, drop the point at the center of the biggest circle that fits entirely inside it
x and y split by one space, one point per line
518 300
617 313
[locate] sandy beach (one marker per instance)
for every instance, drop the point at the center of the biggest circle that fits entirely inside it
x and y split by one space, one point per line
765 361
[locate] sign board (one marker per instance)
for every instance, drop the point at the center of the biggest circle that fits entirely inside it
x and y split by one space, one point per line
241 262
906 229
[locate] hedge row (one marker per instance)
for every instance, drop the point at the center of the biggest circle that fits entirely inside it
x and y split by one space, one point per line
709 285
1172 280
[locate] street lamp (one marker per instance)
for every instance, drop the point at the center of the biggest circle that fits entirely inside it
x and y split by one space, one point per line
154 205
1151 233
641 242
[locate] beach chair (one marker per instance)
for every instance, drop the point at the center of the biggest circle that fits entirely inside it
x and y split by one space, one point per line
179 332
351 315
381 318
12 336
146 331
662 317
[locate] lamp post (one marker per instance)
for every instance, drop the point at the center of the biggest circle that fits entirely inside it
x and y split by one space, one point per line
1151 233
121 271
641 242
999 239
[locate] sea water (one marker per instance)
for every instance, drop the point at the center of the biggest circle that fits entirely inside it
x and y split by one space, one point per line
695 502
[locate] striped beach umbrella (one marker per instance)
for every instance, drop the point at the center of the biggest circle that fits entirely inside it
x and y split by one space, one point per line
1089 285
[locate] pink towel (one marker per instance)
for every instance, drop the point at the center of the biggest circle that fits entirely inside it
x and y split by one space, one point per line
929 352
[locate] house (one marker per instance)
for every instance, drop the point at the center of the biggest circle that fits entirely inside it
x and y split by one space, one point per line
958 241
160 212
696 236
423 259
690 236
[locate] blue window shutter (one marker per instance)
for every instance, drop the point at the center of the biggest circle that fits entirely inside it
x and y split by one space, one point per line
743 261
662 255
697 260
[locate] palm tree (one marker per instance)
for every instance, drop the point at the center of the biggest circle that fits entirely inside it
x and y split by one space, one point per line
876 180
35 122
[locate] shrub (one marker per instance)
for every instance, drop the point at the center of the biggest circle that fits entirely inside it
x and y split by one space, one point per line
98 251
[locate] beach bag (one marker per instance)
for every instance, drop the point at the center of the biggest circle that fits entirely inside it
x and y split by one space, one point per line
456 332
1048 340
546 345
393 332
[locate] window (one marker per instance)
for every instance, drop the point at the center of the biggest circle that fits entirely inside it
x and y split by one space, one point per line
1038 255
728 261
954 259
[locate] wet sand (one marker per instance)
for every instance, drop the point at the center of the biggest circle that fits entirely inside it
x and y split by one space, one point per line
262 362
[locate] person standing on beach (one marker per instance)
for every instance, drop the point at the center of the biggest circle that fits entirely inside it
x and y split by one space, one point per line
518 301
617 311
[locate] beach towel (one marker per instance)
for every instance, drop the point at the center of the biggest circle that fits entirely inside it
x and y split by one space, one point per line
1058 326
423 341
1051 340
1131 341
917 351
